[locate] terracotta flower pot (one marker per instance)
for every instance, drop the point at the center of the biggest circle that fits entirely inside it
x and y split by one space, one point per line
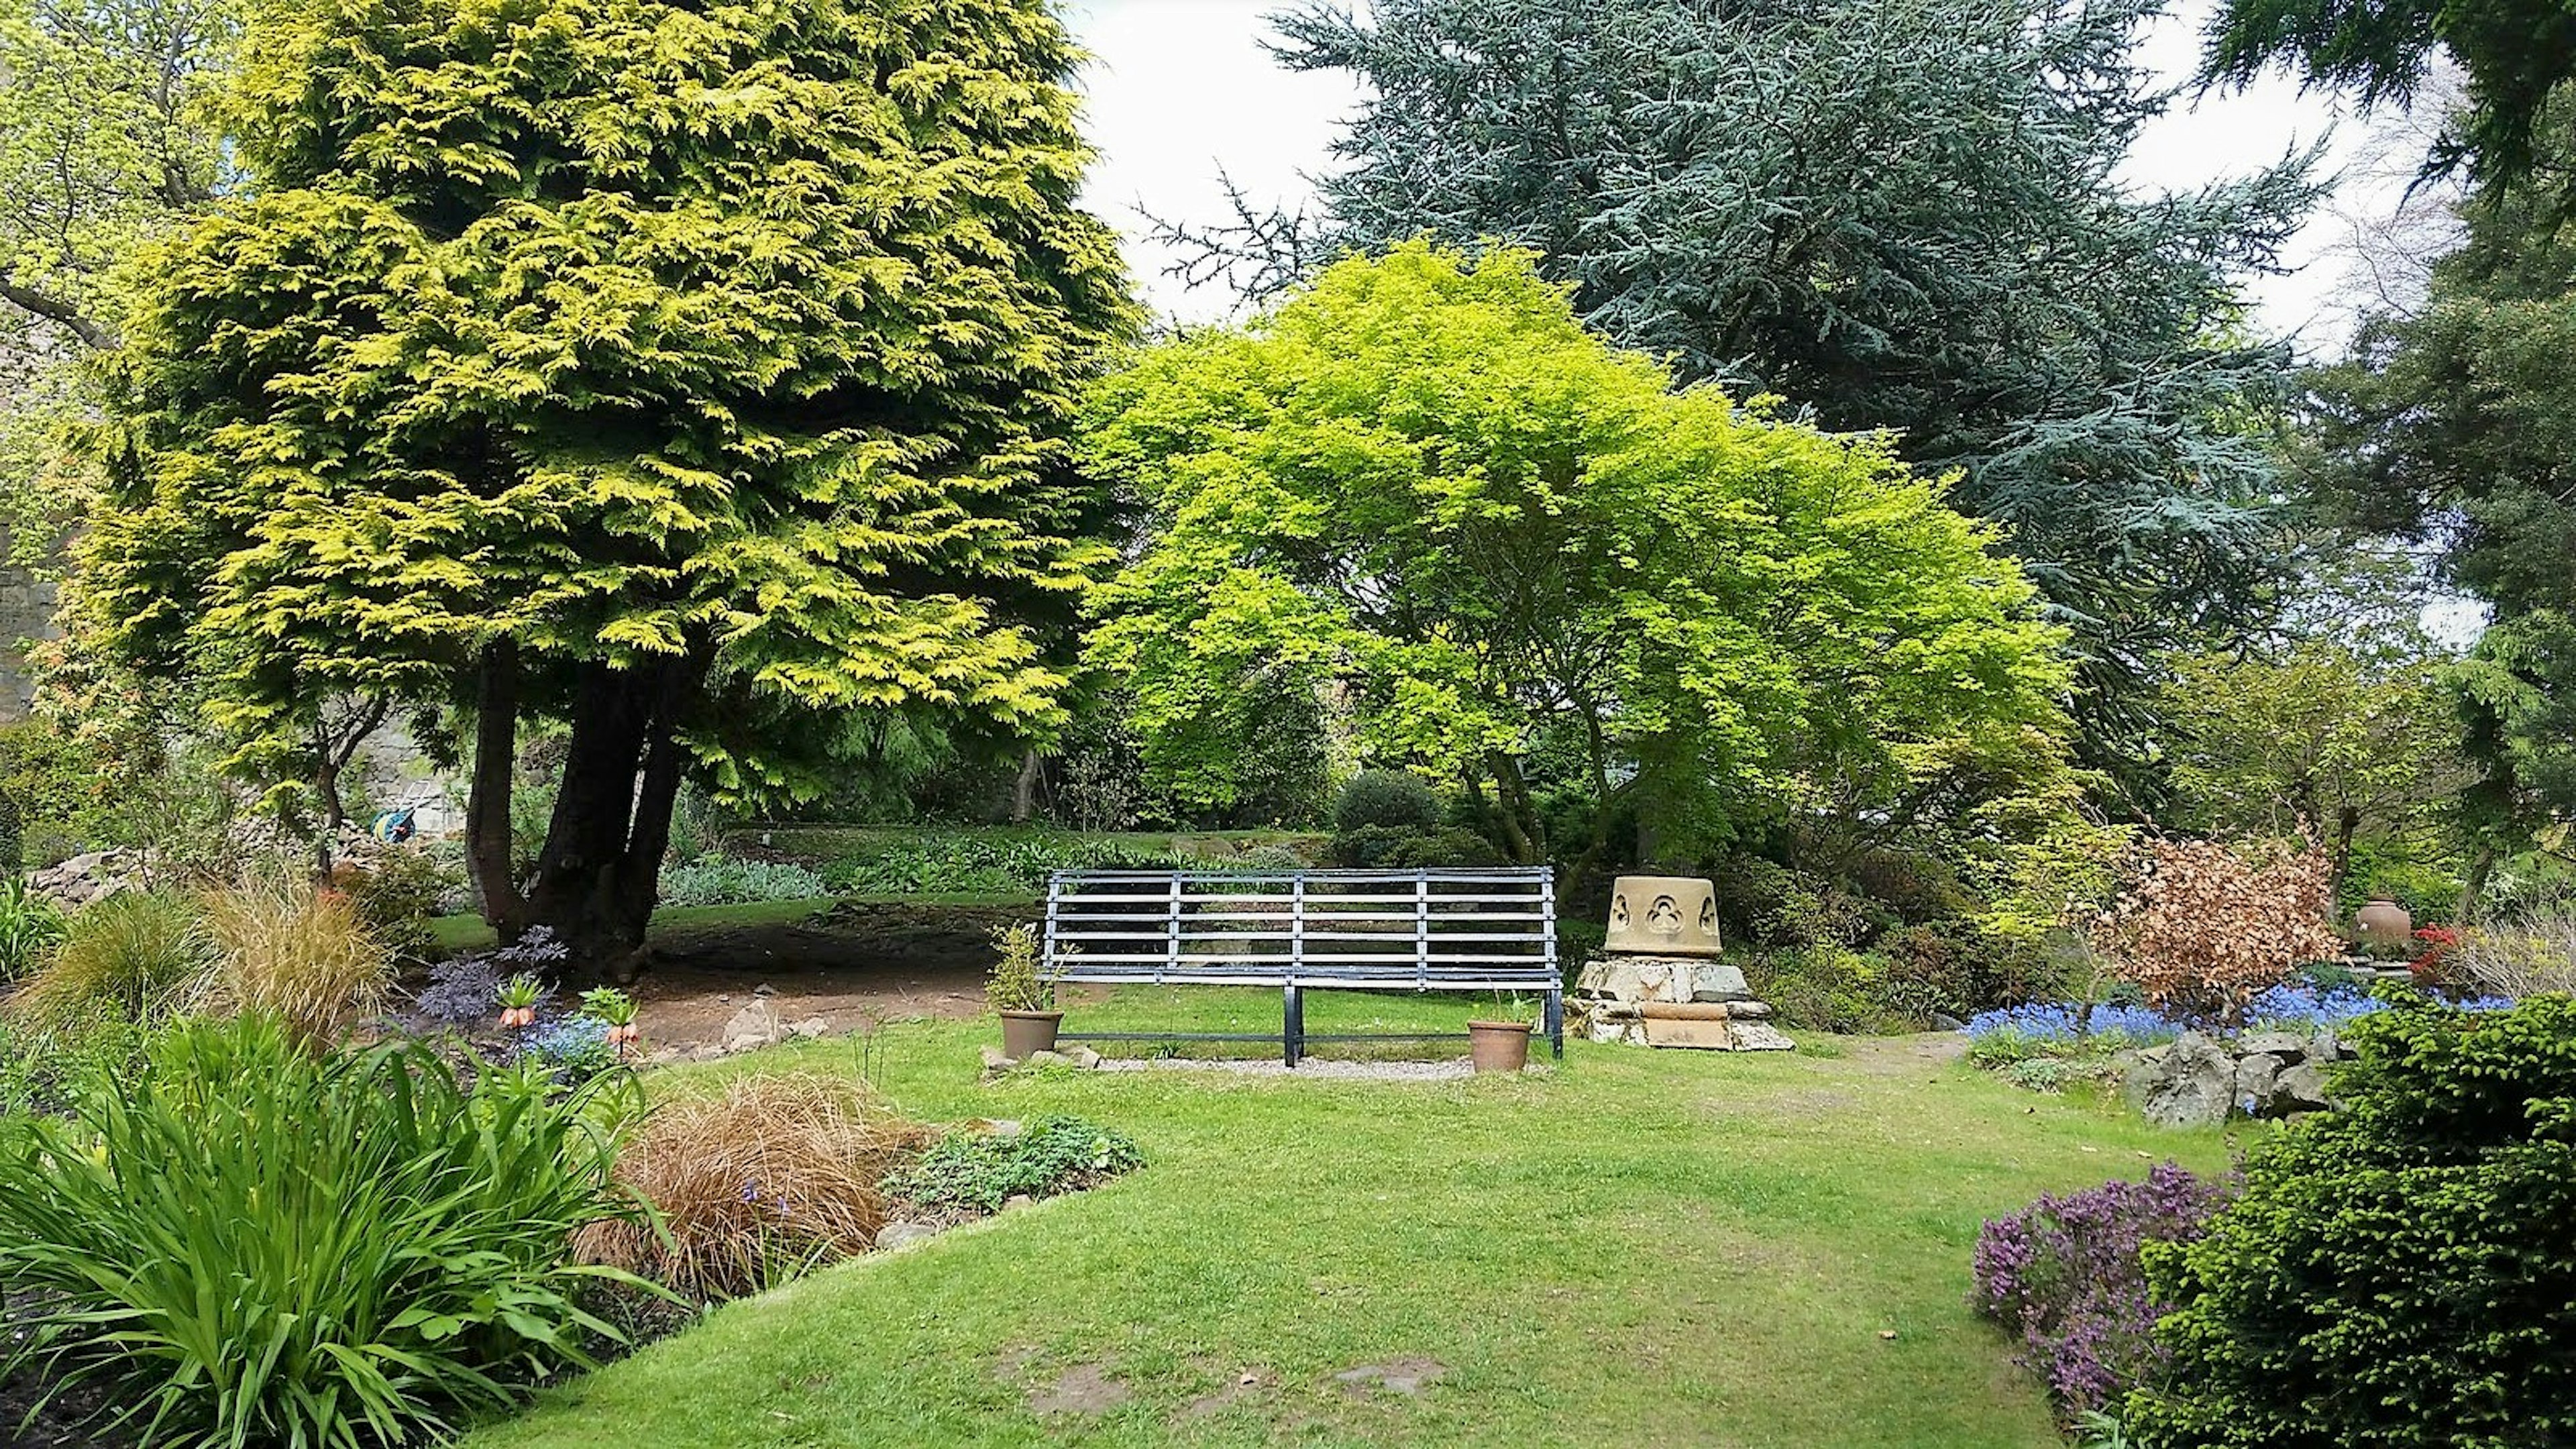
1026 1033
2385 924
1498 1046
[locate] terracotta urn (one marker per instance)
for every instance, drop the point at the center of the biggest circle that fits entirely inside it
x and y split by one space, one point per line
1663 915
2384 924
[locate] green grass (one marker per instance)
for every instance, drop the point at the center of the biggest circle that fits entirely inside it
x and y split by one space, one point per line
470 932
1638 1247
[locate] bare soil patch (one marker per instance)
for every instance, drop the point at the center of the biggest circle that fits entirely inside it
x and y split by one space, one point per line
854 966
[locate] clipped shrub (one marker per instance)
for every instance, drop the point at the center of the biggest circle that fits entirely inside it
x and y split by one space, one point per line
1391 847
391 1240
972 1172
139 953
2203 928
300 955
1391 799
716 879
2398 1273
756 1184
30 927
982 863
2066 1277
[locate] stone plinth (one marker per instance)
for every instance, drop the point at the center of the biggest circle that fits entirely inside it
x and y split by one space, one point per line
1660 1000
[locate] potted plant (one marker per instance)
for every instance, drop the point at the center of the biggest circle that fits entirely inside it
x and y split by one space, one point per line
519 997
1023 996
1502 1043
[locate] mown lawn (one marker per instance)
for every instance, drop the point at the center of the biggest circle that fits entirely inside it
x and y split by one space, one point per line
1637 1248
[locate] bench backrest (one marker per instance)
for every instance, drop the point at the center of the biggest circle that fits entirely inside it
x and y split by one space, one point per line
1435 930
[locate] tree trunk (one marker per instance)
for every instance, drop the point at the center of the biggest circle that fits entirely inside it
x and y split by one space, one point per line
1024 790
487 803
601 867
1520 819
2339 860
2481 866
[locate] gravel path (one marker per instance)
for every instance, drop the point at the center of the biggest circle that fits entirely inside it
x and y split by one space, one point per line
1335 1071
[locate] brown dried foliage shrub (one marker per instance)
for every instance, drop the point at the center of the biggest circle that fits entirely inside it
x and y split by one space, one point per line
2204 928
772 1176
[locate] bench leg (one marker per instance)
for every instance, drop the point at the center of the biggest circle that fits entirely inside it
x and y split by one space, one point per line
1292 1024
1555 1023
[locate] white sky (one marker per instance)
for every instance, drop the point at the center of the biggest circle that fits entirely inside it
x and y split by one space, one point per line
1180 88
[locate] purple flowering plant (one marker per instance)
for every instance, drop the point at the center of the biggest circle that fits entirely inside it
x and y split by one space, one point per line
2063 1276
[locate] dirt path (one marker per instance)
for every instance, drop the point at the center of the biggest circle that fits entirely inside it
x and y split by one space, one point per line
853 966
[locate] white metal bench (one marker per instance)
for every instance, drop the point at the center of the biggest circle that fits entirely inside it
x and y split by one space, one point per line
1299 930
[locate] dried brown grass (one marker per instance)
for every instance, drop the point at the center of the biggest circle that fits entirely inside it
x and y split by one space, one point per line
302 955
757 1184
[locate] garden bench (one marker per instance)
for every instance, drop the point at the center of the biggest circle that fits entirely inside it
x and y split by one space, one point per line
1300 930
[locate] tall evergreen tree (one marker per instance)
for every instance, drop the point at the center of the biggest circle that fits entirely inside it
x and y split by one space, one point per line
2455 426
1902 214
689 375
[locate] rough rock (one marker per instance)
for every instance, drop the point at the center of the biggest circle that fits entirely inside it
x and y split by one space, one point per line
995 1063
1018 1200
1759 1036
1047 1059
752 1027
2257 1077
2303 1086
896 1235
1748 1011
1718 981
2326 1046
2192 1085
810 1028
2284 1044
85 879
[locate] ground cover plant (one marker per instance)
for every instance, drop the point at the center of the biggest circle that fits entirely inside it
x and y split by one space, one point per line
1574 1253
390 1238
717 879
2066 1278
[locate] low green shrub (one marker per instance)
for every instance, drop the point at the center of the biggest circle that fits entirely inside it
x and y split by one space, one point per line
42 1063
1389 799
30 927
2397 1273
397 889
137 952
980 1171
715 879
243 1243
983 863
1824 987
1391 847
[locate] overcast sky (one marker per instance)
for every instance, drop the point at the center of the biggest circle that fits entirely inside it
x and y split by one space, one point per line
1182 87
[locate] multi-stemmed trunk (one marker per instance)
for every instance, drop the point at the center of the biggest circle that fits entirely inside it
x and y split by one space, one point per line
600 868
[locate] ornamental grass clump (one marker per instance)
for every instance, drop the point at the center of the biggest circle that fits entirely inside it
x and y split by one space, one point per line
243 1243
2064 1276
303 956
756 1184
138 953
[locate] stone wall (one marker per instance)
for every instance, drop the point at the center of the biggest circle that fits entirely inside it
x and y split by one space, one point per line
26 612
2199 1080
